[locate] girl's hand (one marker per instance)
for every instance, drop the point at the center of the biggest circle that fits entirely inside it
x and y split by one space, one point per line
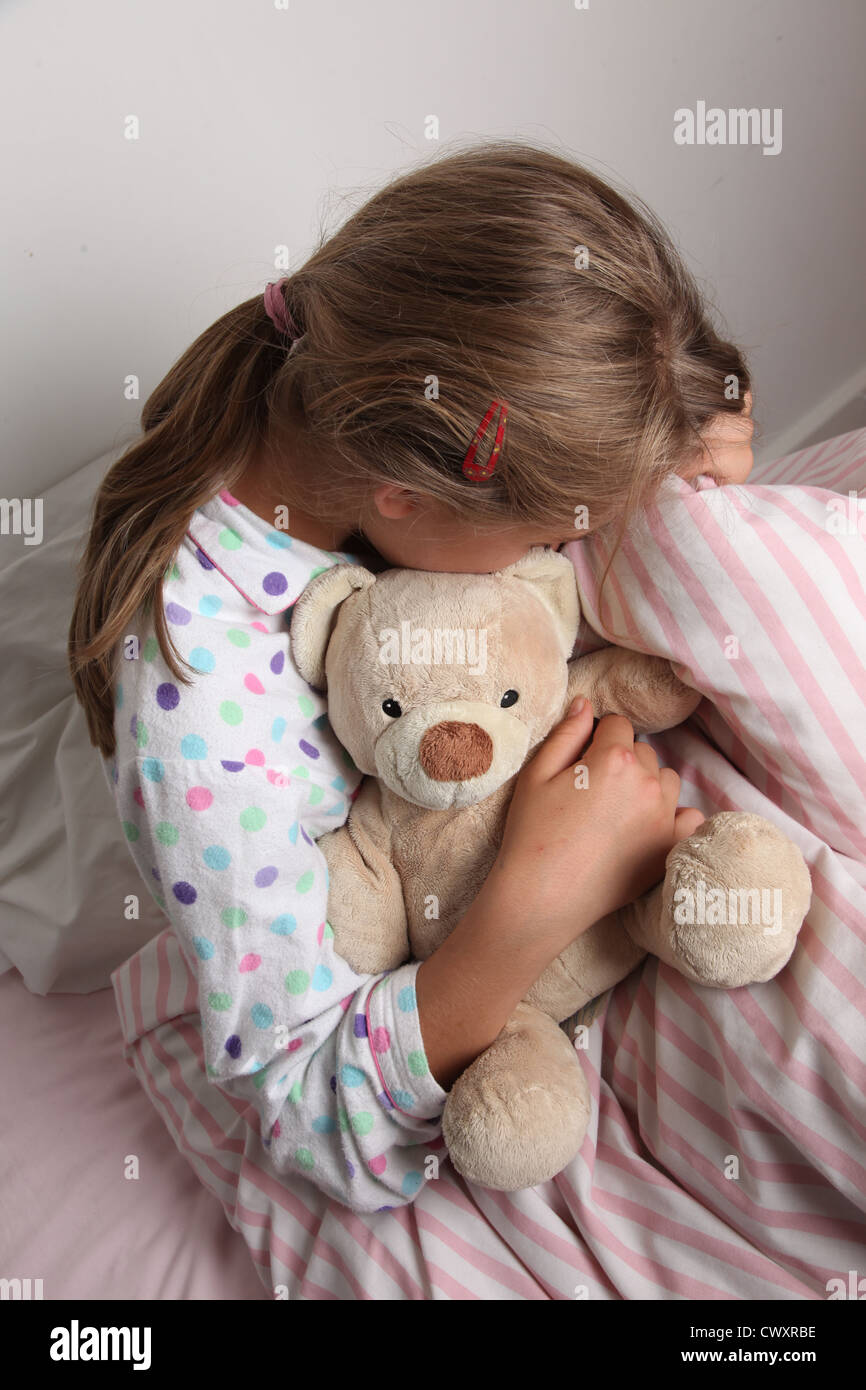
727 451
587 834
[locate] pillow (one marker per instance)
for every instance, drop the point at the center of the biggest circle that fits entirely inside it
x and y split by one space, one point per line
65 869
717 580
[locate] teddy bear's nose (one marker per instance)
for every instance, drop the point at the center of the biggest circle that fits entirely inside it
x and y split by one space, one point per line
453 752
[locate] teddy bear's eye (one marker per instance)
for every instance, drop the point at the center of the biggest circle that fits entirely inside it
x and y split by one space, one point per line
392 709
509 698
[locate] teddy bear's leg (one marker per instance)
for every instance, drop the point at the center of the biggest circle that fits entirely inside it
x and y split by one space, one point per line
519 1113
734 897
589 966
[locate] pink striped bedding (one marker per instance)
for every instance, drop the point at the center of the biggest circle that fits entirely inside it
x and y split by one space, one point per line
726 1158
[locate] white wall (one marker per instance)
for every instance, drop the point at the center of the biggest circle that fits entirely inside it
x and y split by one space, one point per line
255 121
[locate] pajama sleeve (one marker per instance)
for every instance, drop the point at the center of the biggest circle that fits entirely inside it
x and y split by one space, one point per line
333 1061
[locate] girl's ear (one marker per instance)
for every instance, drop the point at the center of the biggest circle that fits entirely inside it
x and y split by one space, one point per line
553 581
314 616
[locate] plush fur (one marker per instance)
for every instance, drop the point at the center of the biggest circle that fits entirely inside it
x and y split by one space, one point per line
441 758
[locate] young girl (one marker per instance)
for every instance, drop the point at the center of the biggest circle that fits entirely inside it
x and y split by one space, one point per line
335 412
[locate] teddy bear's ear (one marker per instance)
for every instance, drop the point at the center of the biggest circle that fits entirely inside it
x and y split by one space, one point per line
552 579
315 614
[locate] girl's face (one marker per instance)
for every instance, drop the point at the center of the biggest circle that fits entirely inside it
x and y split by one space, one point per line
409 534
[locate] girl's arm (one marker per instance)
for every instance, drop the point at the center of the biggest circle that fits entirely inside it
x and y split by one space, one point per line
568 857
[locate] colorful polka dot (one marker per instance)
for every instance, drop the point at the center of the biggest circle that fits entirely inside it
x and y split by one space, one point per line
250 963
255 758
204 948
404 1099
166 833
184 892
359 1027
279 540
278 728
220 1002
265 877
275 583
306 706
406 1000
322 978
277 662
305 1158
131 831
253 684
362 1123
167 696
351 1076
297 982
202 659
193 747
231 712
305 882
308 748
176 613
152 769
209 605
216 857
410 1184
253 818
324 1124
233 1046
283 925
378 1165
262 1016
238 637
233 917
199 798
381 1040
149 650
229 539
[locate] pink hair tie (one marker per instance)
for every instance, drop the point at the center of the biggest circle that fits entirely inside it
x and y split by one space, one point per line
275 307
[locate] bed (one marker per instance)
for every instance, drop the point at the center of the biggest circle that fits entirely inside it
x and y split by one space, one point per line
726 1156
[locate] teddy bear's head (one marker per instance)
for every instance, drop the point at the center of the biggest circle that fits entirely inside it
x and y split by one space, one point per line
440 684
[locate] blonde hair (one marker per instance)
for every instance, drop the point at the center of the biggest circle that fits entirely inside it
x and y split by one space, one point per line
461 282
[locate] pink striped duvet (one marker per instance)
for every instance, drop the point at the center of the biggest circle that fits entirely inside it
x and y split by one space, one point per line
726 1158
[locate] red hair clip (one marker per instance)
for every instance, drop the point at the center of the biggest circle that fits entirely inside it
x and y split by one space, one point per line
477 472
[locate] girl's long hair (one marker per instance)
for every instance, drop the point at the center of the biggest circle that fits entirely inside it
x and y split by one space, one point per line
502 272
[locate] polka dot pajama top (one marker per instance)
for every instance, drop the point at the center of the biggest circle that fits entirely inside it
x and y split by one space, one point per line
223 788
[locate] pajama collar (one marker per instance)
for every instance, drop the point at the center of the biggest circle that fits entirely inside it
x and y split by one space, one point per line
269 568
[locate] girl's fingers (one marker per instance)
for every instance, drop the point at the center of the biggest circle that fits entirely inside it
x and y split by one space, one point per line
686 822
565 743
614 728
647 757
670 784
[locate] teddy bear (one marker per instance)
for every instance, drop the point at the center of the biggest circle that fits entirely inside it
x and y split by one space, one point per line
440 686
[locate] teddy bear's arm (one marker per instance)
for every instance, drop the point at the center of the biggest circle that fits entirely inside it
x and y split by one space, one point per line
643 688
366 909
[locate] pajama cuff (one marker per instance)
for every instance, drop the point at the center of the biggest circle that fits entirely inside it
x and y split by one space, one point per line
394 1035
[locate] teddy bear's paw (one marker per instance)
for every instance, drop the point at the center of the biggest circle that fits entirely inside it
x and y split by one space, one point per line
519 1114
735 895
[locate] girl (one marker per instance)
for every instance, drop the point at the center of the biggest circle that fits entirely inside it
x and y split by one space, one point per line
335 412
